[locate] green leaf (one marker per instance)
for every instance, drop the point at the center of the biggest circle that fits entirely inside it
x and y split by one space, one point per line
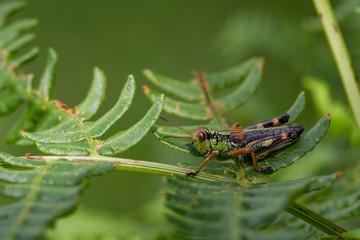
30 120
50 120
204 210
44 191
73 136
328 238
74 129
324 101
68 149
95 96
20 42
174 87
342 207
26 57
297 107
9 102
247 89
243 80
122 140
107 120
8 8
340 201
179 108
53 126
12 31
13 98
353 234
48 78
85 110
219 81
191 91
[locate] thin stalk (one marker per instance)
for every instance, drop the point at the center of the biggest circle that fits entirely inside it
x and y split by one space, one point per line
147 167
205 88
341 55
316 220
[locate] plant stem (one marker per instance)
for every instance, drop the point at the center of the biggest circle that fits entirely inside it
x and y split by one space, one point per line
205 88
341 55
147 167
316 220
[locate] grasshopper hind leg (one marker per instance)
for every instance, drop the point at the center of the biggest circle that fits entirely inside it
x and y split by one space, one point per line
250 150
263 145
283 118
247 150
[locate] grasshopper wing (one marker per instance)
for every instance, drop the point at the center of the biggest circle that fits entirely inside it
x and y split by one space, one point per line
237 132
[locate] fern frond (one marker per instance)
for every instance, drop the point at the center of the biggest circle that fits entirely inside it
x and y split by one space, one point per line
44 191
243 80
64 131
340 201
48 188
45 188
75 136
222 219
203 210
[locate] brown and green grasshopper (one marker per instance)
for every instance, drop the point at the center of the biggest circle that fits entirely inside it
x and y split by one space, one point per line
254 140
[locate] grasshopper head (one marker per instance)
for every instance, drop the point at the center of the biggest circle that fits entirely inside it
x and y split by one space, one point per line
201 138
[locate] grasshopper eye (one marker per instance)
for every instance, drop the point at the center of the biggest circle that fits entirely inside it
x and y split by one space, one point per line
201 136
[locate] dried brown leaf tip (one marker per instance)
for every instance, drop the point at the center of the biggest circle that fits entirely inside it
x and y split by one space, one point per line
338 175
62 105
27 155
145 88
98 143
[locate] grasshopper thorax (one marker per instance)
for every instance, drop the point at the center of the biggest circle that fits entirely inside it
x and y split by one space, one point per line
201 138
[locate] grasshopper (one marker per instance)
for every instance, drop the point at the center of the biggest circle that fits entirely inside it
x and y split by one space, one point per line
254 140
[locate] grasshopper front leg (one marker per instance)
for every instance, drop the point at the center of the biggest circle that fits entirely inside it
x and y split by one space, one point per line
208 158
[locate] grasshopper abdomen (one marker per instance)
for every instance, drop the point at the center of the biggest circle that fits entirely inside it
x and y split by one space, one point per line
255 134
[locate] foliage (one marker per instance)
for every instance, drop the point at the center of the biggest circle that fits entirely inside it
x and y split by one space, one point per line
187 210
341 56
341 118
225 201
46 189
189 223
243 80
203 210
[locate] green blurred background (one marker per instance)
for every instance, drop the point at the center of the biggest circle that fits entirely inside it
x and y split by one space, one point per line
173 38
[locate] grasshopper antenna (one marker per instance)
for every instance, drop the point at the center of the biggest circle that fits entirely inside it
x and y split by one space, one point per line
178 128
177 137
